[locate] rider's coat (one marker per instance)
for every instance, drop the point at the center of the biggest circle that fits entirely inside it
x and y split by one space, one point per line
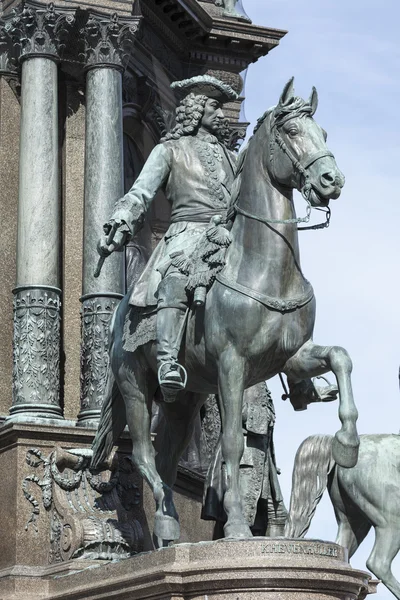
196 173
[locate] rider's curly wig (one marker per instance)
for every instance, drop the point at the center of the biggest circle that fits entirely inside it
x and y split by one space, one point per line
188 117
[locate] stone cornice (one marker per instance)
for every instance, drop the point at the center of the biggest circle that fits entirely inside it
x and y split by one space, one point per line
188 25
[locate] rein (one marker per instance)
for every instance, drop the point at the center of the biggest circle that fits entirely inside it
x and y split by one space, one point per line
305 219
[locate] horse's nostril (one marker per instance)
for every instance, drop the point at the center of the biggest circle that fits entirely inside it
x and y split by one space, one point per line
327 178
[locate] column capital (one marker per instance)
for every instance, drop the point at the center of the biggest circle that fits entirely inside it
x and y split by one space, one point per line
108 41
39 32
8 62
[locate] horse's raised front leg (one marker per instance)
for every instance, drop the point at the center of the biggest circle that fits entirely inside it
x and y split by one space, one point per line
231 388
312 360
137 389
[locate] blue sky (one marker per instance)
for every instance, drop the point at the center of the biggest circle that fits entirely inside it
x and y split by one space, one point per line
350 51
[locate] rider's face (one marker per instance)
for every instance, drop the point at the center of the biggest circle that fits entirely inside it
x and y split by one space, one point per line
213 115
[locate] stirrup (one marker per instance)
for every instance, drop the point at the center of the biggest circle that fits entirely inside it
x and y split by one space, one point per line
169 384
326 393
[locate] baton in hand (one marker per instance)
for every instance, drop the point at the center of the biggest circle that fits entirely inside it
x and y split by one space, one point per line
110 232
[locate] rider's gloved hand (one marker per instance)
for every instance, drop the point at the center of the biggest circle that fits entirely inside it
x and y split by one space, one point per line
115 236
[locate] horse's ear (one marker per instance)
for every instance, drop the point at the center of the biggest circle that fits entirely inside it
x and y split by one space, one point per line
288 92
313 101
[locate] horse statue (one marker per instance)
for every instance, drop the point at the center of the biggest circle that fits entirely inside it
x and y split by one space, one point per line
257 321
363 497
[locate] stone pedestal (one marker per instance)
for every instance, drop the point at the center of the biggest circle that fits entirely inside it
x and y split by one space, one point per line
56 518
256 569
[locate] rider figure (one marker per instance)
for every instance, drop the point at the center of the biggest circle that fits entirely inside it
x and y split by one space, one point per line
196 172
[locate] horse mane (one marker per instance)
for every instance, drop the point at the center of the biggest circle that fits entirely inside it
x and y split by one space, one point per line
312 466
261 120
295 107
237 182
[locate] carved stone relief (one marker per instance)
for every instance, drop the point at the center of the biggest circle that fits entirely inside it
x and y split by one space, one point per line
96 315
91 517
7 59
37 31
36 346
107 41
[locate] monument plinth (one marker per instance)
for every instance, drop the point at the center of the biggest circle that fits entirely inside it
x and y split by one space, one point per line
254 569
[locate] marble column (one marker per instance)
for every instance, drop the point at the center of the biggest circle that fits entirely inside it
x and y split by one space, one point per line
105 53
37 295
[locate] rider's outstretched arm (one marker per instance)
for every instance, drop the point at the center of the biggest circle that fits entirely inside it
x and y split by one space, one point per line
132 207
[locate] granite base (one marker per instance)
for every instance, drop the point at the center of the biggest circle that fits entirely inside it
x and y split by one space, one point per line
254 569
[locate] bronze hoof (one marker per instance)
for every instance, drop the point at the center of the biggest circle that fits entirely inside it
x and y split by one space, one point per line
237 529
167 528
345 455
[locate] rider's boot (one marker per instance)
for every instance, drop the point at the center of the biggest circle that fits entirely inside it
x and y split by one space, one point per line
304 392
170 328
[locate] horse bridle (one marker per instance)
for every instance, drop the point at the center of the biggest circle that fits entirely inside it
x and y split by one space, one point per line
302 170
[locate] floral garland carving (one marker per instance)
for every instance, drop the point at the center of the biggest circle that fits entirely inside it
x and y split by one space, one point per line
96 316
89 517
36 370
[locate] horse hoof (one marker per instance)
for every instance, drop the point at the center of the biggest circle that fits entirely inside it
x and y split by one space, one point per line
237 530
160 543
167 528
345 455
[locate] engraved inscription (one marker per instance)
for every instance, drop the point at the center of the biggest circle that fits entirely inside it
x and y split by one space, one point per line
293 548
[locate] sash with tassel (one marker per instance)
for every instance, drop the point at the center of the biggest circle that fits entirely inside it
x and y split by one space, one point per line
206 261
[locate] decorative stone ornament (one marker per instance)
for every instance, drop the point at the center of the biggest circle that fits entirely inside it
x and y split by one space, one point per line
8 63
92 517
96 315
107 42
36 372
39 32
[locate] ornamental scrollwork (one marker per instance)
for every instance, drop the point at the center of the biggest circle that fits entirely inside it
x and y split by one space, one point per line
39 31
90 516
107 41
36 370
7 59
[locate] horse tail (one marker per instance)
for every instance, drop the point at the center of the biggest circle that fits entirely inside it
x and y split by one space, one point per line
113 413
312 466
111 425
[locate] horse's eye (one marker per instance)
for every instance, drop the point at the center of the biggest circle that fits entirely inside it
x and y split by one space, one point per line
293 131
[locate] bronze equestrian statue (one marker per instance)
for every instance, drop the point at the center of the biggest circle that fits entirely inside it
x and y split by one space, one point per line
259 314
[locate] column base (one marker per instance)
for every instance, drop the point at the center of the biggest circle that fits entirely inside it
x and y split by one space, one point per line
43 413
89 418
